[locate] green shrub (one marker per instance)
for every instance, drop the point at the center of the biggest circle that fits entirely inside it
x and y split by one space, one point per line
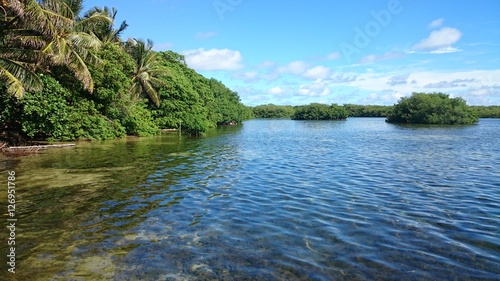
273 111
433 108
318 111
139 121
56 114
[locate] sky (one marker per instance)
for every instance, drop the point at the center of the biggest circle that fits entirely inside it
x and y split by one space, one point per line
358 52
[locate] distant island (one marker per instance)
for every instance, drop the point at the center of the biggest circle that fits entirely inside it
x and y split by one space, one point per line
318 111
420 108
433 108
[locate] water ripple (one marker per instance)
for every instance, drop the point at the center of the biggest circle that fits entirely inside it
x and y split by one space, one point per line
289 200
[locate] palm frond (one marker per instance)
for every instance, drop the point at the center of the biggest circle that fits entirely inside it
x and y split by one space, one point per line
84 40
75 6
45 18
79 68
135 90
151 92
147 69
18 77
93 22
63 8
14 6
22 55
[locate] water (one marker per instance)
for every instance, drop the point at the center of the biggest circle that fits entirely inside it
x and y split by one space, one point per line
269 200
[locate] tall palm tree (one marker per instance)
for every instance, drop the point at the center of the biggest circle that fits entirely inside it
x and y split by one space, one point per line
74 44
52 34
147 70
16 61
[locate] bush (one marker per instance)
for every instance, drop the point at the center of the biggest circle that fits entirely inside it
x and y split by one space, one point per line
434 108
139 121
55 114
317 111
273 111
355 110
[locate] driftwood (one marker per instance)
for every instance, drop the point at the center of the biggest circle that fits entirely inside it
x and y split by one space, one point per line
42 146
25 150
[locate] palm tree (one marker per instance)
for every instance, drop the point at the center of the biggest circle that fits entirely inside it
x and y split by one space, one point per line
147 70
37 34
16 62
74 44
107 32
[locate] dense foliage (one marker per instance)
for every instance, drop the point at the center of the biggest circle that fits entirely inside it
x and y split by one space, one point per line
434 108
273 111
355 110
66 77
492 111
192 102
318 111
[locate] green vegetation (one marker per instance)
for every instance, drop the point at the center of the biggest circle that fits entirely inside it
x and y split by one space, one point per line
492 111
434 108
273 111
355 110
66 77
318 111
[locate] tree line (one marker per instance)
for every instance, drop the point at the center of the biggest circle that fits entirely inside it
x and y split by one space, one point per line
352 110
67 75
418 108
288 111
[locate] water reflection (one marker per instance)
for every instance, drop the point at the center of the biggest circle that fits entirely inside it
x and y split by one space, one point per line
270 200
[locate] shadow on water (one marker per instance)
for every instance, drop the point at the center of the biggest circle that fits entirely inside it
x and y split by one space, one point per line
73 203
404 126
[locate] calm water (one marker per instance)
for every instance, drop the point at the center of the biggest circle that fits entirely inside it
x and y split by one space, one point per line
269 200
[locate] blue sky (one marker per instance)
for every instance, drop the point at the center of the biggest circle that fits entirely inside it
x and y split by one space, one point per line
298 52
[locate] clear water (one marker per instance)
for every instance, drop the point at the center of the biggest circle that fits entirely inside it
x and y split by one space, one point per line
269 200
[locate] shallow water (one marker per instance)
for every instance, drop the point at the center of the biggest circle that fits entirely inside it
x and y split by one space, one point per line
269 200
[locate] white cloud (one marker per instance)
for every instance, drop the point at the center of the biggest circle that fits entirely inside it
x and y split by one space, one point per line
440 41
391 96
446 50
374 58
295 67
250 75
436 23
247 76
482 95
450 84
333 56
318 72
275 91
398 80
266 64
342 78
386 96
213 59
315 89
485 91
479 87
